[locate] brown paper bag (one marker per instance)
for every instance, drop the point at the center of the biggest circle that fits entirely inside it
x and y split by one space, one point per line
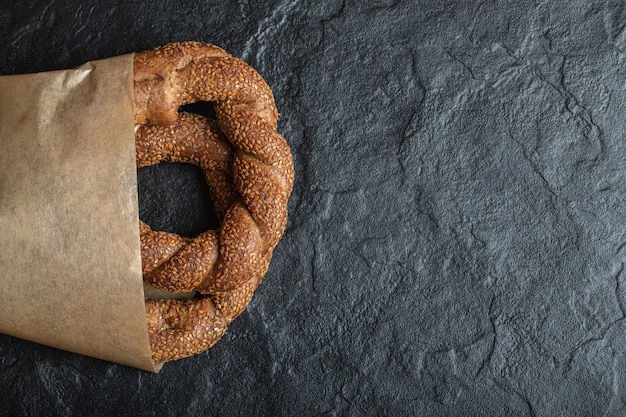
70 263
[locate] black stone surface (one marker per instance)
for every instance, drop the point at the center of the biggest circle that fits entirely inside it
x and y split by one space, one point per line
457 236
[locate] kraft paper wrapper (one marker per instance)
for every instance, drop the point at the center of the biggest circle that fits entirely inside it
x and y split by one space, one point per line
70 261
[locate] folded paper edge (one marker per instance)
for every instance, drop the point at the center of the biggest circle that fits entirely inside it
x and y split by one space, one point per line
82 80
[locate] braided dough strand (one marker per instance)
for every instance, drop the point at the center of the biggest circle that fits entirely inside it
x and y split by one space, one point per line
249 170
179 327
170 262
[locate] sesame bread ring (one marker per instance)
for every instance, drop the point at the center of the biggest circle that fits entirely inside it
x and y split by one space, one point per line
249 169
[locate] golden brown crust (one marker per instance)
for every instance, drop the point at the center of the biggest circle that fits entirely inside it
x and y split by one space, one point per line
249 170
176 328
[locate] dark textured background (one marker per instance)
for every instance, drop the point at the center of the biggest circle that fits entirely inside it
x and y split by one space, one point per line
457 236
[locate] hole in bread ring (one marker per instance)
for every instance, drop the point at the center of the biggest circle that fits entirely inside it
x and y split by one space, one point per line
203 108
249 171
175 197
